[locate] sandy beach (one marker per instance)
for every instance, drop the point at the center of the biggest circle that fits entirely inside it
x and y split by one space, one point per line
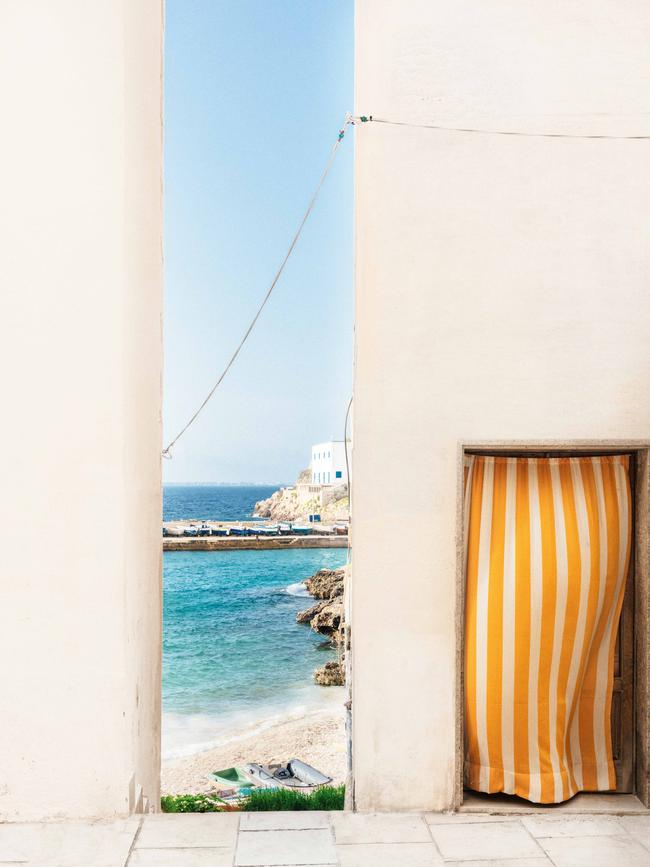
317 738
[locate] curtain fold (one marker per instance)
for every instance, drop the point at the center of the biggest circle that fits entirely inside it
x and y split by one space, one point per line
547 548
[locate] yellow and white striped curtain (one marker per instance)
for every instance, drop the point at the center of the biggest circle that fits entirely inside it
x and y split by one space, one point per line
547 553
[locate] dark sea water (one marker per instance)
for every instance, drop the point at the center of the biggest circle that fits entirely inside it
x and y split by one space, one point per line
213 502
234 658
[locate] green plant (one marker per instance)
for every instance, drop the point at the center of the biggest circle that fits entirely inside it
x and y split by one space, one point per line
190 804
325 798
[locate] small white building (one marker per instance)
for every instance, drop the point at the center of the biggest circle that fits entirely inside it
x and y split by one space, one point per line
328 463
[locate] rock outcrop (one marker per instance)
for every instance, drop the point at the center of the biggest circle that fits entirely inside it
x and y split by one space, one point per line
287 504
330 674
327 618
327 584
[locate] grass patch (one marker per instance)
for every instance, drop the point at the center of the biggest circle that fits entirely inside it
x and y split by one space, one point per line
325 798
190 804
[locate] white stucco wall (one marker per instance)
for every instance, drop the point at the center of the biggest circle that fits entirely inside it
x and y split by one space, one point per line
326 460
501 293
80 349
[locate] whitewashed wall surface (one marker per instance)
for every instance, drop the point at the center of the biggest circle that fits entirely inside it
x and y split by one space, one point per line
501 293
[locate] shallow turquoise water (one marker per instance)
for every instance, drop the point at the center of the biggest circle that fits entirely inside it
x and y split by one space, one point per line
233 655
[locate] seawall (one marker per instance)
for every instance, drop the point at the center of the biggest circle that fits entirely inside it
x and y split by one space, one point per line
227 543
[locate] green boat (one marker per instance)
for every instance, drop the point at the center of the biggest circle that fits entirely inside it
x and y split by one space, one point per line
232 777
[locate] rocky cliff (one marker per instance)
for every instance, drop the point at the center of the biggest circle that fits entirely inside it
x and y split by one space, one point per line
285 504
327 617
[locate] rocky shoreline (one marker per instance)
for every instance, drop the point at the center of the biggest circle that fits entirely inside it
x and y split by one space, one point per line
327 617
293 504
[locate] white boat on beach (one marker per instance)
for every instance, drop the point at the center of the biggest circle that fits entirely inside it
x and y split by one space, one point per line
292 775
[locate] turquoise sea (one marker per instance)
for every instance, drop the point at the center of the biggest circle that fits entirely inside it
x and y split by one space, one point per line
234 659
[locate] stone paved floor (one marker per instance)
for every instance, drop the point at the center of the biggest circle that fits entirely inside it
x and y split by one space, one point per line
346 839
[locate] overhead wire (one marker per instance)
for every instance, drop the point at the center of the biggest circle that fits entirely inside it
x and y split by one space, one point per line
348 120
486 131
354 120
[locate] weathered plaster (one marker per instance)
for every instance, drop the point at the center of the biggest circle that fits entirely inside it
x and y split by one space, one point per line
501 294
81 353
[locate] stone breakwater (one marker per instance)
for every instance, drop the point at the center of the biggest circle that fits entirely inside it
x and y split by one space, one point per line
228 543
327 617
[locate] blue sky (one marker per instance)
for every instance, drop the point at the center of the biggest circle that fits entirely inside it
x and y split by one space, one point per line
255 92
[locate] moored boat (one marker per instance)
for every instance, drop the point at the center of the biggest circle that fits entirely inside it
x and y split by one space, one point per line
172 531
267 530
238 531
231 777
295 774
260 775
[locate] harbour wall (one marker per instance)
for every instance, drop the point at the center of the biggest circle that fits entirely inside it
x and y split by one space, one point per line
227 543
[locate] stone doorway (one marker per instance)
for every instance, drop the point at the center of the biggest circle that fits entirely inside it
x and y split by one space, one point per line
630 718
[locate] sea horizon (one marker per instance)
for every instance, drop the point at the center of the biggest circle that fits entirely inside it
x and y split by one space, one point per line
231 502
226 484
